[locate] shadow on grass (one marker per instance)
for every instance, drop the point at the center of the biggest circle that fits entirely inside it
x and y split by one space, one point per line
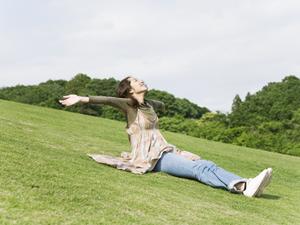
270 197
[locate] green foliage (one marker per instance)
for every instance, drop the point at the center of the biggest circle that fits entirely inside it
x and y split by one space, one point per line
268 119
44 94
178 124
236 103
177 106
77 85
276 101
48 93
271 117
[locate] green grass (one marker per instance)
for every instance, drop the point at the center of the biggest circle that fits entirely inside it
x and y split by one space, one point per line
47 178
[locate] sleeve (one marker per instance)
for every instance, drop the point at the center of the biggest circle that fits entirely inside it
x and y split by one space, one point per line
157 104
120 103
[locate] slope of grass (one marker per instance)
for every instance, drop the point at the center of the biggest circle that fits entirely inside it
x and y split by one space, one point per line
47 178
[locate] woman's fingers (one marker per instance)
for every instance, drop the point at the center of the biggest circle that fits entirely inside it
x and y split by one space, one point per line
69 100
64 102
64 99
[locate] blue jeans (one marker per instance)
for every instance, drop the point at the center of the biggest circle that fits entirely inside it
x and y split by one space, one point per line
204 171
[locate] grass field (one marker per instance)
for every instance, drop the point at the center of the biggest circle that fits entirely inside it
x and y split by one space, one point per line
47 178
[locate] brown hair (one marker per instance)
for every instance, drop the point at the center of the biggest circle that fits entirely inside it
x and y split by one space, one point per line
123 90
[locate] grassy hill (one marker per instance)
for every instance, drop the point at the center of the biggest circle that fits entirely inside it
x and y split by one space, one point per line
47 178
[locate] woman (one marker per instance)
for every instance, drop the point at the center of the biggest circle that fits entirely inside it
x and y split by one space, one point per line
151 152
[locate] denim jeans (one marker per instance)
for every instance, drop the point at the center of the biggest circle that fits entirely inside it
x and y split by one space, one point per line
204 171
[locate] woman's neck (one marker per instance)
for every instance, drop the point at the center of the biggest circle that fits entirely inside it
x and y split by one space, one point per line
140 98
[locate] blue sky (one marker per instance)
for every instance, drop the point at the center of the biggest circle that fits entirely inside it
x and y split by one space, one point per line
205 51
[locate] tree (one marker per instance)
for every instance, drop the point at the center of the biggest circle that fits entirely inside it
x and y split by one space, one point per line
77 85
236 103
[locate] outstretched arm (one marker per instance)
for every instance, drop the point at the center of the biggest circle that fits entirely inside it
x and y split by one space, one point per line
120 103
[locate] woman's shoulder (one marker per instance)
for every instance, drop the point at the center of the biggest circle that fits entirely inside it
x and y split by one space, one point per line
156 104
150 102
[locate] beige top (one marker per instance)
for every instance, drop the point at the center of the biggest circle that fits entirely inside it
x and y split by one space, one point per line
147 143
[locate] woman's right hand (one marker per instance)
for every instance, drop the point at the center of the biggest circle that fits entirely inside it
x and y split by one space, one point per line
70 100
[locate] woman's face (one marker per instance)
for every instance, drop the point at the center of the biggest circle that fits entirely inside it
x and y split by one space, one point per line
137 85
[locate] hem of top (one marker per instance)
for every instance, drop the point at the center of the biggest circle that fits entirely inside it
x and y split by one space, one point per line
158 157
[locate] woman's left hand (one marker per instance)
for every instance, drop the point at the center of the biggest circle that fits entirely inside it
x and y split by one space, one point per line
189 155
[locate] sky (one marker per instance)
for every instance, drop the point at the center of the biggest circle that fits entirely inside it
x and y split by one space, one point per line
205 51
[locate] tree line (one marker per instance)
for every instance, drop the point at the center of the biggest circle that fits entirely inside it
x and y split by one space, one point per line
268 119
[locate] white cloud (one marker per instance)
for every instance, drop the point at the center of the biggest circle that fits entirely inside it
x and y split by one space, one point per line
204 51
